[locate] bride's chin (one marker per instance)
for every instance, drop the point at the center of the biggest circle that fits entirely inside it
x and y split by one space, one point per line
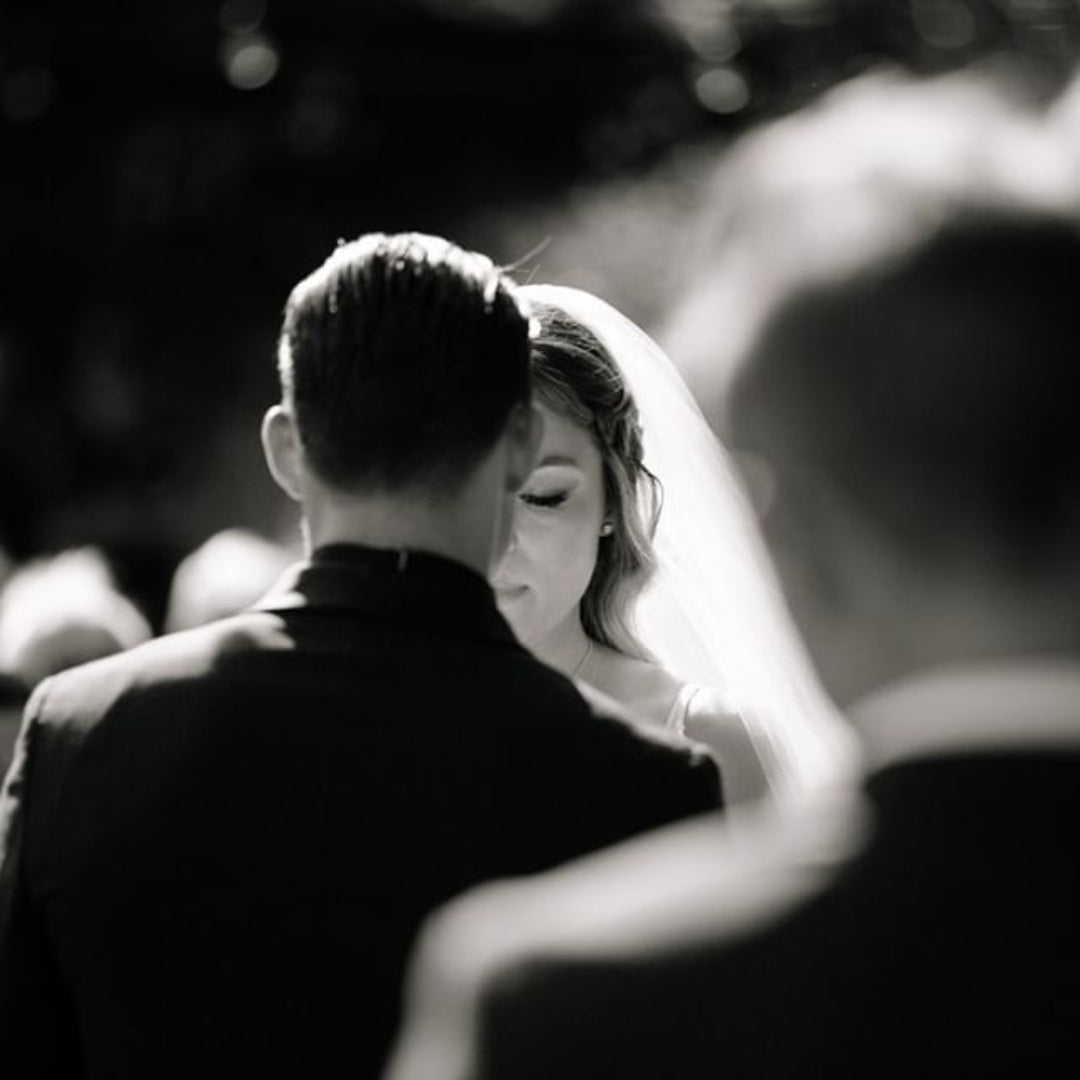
512 614
509 602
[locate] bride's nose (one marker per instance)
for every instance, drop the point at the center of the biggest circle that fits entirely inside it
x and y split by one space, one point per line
515 528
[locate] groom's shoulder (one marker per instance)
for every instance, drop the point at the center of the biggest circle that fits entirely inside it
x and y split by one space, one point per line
174 662
579 730
619 721
587 711
620 733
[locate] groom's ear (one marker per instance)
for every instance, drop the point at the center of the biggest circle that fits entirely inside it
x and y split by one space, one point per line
284 454
524 430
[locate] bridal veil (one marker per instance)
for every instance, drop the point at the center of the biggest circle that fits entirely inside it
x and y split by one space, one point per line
712 613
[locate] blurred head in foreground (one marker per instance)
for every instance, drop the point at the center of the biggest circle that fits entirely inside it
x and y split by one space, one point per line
404 365
62 611
904 403
919 420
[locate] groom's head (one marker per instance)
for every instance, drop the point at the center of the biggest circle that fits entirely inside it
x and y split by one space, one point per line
404 364
401 358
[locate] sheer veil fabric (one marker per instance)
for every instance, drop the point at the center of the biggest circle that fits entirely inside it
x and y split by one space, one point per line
713 614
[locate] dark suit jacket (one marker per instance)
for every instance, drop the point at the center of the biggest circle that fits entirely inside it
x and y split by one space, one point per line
950 946
13 695
217 847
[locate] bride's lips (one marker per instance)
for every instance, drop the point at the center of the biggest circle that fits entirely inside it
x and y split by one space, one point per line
510 592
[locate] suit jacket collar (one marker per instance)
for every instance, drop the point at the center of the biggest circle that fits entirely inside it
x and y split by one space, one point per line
399 586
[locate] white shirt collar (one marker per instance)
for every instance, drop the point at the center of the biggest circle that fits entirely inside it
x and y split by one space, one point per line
1021 704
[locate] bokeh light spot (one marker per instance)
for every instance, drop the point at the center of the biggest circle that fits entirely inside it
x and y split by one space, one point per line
241 16
718 43
250 61
722 90
945 24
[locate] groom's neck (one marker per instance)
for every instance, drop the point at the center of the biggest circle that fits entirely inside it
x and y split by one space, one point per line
454 528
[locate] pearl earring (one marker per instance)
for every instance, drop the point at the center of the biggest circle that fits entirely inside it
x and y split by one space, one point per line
606 529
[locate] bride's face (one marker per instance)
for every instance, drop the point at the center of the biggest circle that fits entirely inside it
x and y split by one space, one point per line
552 552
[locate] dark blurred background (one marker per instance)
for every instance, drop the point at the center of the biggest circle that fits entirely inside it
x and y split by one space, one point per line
168 170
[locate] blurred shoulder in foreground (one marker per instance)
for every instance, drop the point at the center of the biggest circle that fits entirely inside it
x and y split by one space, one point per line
899 393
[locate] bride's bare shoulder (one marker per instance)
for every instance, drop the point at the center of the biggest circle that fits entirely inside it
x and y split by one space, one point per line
742 746
710 705
642 686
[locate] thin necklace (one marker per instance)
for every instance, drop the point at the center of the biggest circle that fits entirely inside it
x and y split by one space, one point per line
584 659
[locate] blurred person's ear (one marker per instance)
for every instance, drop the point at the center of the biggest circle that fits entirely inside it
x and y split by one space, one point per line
283 451
523 433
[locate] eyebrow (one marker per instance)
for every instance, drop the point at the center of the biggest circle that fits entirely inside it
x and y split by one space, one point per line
558 459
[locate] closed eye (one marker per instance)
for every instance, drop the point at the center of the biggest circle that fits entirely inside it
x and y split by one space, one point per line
545 502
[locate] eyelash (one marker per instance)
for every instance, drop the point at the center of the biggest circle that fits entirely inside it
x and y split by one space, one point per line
545 502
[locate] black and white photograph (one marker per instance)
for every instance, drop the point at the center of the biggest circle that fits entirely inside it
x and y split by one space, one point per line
539 539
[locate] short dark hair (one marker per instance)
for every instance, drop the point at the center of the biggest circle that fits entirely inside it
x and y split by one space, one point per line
575 375
401 358
937 387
